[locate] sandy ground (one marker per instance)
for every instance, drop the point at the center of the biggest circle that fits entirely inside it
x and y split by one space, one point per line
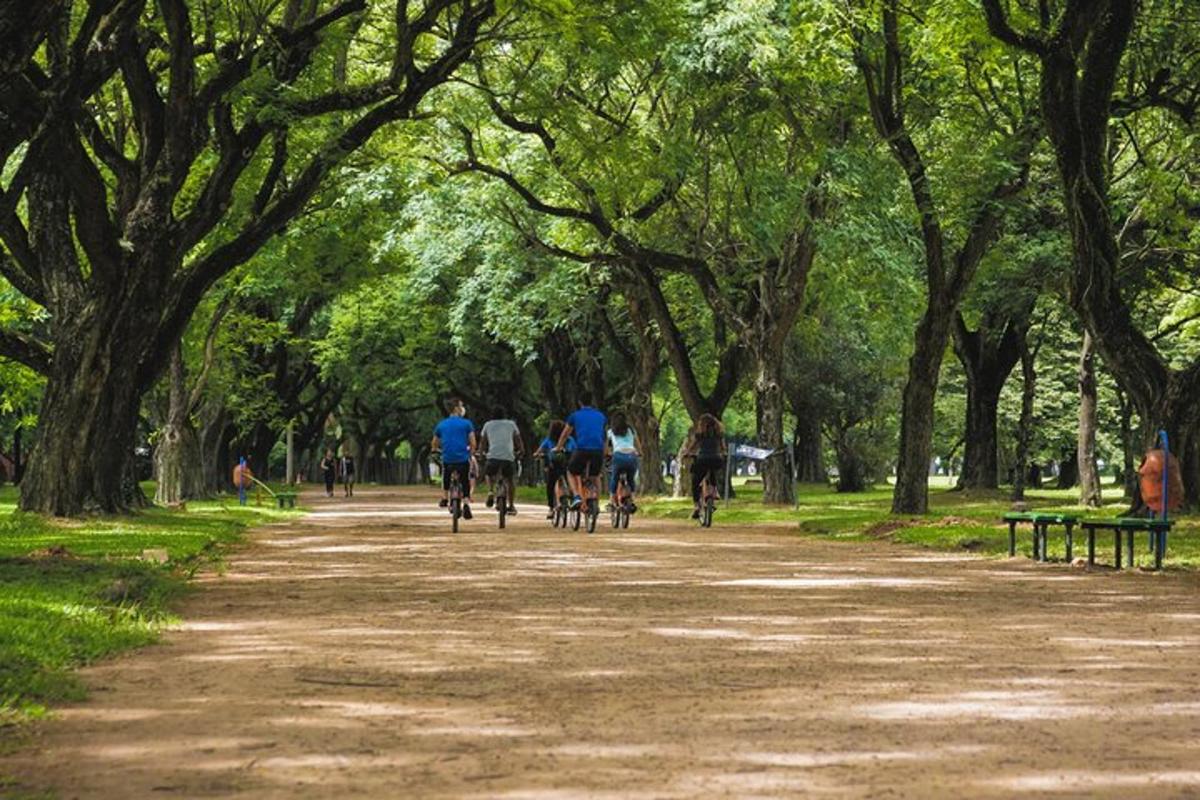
366 652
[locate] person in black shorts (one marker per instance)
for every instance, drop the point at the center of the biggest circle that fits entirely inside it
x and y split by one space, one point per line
587 425
706 443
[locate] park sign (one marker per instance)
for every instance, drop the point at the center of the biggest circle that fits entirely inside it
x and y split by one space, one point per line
756 453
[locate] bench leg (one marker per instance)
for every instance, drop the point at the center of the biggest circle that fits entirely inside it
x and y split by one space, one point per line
1070 541
1045 543
1117 543
1091 532
1012 538
1129 542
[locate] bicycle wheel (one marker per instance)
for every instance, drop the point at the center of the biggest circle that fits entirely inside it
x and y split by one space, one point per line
502 509
576 518
625 517
615 515
455 513
593 513
707 514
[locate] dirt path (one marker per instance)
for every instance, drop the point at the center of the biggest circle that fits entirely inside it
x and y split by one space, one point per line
364 652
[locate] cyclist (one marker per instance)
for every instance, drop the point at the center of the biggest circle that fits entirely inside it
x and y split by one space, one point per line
501 440
587 425
624 447
455 437
556 462
706 443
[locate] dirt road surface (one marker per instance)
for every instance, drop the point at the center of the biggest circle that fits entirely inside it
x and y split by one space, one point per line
363 651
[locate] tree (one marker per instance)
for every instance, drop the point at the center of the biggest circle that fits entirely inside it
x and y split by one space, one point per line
1080 49
157 149
948 271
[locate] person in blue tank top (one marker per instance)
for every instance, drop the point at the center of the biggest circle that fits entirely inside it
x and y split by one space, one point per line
455 438
587 425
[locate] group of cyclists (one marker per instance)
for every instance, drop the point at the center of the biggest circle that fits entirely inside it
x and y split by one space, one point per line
576 449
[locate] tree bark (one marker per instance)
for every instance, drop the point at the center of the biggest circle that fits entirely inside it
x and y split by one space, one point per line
1090 494
1129 446
641 397
18 458
1025 423
778 486
911 495
177 457
988 356
810 460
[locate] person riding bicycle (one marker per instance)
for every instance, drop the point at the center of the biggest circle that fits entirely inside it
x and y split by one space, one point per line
625 448
555 462
587 425
501 440
455 437
706 443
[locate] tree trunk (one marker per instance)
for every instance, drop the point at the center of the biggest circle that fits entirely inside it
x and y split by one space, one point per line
683 473
1129 446
852 475
641 401
216 434
911 495
1068 470
18 462
177 457
810 460
778 486
1025 424
1089 475
88 416
988 356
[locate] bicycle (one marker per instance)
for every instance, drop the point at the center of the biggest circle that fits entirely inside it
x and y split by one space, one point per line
562 508
623 506
504 488
456 496
708 495
589 509
708 499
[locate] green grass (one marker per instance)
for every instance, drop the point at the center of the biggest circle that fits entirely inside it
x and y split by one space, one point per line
959 521
73 591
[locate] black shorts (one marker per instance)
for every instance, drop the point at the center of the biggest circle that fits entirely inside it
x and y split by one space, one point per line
463 470
589 461
496 466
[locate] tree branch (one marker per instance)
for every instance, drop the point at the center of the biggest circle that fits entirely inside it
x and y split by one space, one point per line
26 350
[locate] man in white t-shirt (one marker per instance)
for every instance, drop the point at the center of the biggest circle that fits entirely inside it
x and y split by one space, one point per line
501 440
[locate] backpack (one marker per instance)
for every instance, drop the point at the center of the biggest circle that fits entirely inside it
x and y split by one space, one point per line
1151 472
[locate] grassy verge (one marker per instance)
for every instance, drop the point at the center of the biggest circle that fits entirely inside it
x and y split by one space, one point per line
73 591
957 521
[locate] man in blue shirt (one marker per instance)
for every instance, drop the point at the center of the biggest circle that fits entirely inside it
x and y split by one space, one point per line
455 437
587 425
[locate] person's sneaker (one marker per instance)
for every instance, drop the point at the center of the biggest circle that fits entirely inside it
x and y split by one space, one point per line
576 502
633 508
695 513
443 503
491 500
467 511
610 507
512 510
550 514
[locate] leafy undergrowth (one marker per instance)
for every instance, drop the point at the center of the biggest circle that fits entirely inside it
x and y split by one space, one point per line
73 591
959 521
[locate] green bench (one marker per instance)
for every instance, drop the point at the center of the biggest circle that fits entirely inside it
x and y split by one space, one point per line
1157 528
286 499
1041 523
